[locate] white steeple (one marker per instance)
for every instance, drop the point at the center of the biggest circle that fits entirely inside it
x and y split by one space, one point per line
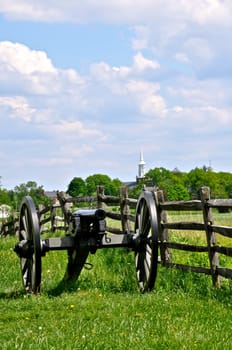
142 164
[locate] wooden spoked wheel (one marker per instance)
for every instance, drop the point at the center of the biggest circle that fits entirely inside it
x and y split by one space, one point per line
29 239
146 230
76 260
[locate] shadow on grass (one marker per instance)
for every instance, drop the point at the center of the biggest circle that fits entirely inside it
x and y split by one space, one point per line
62 287
16 294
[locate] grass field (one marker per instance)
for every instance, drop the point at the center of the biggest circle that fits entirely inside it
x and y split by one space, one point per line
104 309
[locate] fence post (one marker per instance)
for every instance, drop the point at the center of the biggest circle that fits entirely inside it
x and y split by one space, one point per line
165 252
100 195
16 224
53 216
3 228
125 210
41 216
65 206
210 235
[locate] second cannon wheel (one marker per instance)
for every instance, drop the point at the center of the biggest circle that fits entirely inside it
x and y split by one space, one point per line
146 229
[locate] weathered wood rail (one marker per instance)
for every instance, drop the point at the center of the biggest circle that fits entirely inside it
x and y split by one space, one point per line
57 216
9 227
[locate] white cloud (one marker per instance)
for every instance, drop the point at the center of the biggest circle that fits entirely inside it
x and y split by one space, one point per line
32 71
146 96
141 63
186 31
140 41
18 107
18 57
104 72
207 11
153 105
199 50
76 129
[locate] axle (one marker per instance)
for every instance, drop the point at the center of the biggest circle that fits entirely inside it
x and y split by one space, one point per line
25 249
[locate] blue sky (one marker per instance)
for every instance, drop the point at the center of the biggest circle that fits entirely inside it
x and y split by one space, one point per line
84 86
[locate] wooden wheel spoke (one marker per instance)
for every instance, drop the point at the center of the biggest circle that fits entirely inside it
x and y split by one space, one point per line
26 220
26 273
23 235
140 268
148 249
24 224
28 278
144 221
146 267
25 265
147 226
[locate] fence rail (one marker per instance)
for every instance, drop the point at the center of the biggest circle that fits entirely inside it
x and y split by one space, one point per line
57 216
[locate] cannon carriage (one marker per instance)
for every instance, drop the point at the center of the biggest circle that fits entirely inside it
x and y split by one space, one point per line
86 234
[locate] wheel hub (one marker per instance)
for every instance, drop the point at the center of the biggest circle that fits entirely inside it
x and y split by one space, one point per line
24 249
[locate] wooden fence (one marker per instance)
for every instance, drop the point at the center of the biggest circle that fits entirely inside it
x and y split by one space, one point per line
205 205
122 209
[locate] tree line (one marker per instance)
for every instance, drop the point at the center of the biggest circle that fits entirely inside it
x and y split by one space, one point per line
177 185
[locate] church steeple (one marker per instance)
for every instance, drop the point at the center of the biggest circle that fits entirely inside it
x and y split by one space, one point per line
141 167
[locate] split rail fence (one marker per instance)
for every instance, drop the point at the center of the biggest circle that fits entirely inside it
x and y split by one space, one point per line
122 209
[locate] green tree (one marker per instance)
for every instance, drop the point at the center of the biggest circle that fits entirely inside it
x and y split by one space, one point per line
32 189
171 182
4 197
135 191
115 186
77 187
158 175
225 182
110 186
176 192
204 176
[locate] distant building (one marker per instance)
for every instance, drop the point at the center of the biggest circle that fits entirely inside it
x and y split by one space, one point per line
51 194
141 168
5 211
141 173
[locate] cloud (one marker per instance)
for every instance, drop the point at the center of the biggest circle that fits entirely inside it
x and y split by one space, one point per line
20 58
141 63
76 129
209 11
17 107
184 31
32 71
131 82
78 105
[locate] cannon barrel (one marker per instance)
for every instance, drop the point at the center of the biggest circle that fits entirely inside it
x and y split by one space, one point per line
91 214
85 221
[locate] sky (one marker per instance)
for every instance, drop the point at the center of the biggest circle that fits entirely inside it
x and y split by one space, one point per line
86 85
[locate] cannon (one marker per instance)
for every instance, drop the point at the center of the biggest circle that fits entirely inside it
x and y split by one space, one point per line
85 235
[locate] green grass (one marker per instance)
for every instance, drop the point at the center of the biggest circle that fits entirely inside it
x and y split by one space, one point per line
198 238
104 309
